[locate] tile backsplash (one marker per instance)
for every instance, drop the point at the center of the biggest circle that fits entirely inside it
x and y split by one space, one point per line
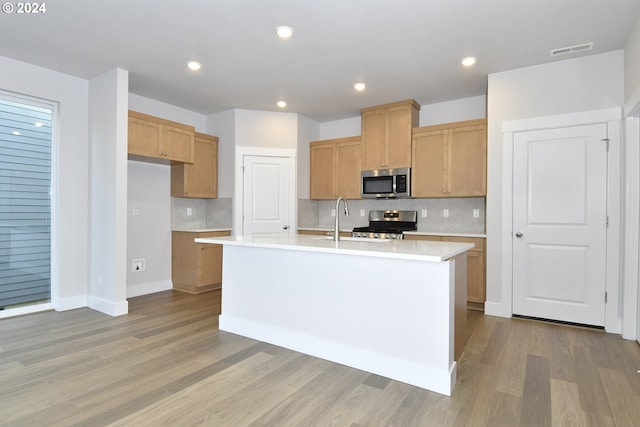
217 213
318 214
205 213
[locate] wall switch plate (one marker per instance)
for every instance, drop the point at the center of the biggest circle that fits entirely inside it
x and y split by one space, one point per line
424 213
361 212
445 213
476 213
189 212
137 265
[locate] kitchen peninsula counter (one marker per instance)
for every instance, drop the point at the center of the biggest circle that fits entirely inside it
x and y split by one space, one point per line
396 309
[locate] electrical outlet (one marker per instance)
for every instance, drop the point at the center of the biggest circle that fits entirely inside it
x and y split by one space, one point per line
189 211
137 265
333 212
424 213
361 212
445 213
135 211
476 213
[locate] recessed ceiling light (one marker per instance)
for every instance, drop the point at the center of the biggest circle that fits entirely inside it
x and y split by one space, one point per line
15 132
194 65
38 124
469 61
359 86
284 32
281 104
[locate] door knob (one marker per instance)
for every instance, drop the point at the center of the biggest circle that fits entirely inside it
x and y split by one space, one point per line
519 234
285 227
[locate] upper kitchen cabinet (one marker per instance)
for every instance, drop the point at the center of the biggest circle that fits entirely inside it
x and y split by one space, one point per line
386 134
450 160
335 168
200 179
158 138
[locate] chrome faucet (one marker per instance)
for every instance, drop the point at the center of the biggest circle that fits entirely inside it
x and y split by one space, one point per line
336 229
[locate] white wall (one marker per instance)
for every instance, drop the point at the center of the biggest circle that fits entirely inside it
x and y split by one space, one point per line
340 128
149 191
108 185
70 273
632 66
453 111
266 129
308 130
574 85
223 125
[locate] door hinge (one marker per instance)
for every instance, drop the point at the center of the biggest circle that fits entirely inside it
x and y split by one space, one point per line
605 297
607 221
607 141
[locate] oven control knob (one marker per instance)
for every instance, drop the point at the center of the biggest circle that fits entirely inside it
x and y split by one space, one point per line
375 235
393 236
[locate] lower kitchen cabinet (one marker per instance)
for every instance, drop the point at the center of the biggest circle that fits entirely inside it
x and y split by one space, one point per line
476 286
196 267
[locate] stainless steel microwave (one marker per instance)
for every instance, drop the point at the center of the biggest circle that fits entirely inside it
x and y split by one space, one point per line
386 183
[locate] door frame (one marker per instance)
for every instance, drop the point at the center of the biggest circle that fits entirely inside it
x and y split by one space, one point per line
612 118
238 191
631 302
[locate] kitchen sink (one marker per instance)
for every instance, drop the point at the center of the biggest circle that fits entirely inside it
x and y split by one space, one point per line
353 239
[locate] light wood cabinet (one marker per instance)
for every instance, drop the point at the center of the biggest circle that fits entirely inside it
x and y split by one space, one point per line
450 160
335 168
386 134
158 138
200 179
476 282
196 267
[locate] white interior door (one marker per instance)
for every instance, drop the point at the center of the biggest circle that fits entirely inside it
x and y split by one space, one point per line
559 223
266 195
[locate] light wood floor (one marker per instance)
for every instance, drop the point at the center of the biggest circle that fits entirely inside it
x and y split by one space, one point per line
166 363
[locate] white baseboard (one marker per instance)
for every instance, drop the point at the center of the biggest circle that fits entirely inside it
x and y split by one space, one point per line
111 308
70 303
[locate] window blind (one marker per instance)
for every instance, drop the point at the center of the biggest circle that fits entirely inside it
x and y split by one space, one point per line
25 203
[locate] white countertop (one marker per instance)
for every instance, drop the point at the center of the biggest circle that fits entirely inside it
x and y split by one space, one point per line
418 250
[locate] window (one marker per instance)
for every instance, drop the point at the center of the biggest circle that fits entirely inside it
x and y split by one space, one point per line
25 202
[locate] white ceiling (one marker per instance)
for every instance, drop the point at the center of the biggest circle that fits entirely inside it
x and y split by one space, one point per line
400 48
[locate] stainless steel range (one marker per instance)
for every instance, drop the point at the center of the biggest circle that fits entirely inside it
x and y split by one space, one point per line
388 225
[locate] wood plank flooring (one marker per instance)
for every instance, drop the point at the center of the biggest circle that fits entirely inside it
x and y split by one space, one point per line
167 364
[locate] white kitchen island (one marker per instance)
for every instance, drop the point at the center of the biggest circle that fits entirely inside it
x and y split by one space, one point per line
395 308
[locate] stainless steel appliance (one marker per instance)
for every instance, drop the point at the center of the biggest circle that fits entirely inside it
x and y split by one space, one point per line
388 224
386 183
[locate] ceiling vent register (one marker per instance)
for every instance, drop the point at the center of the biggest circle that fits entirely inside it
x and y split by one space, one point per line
571 49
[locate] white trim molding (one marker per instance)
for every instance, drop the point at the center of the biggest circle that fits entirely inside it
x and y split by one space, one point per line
611 117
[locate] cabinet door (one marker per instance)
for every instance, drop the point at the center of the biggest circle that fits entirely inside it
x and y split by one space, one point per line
144 138
210 265
348 158
398 138
201 177
374 124
467 162
475 277
428 168
475 267
177 144
322 171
